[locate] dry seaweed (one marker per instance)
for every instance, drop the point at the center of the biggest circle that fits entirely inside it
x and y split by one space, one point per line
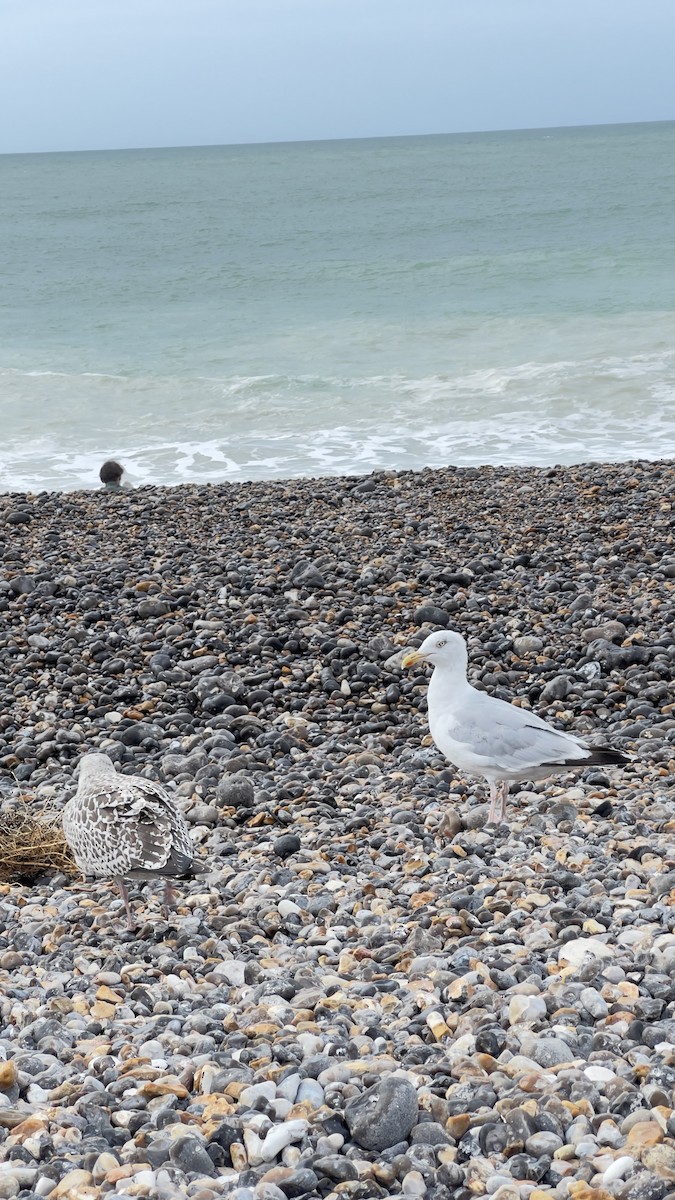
32 843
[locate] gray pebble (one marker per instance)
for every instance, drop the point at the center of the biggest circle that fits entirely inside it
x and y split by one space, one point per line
384 1114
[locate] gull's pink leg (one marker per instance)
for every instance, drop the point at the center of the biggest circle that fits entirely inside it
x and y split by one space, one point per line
505 796
498 794
495 798
131 924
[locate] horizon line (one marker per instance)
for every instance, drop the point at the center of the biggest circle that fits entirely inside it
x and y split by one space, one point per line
323 141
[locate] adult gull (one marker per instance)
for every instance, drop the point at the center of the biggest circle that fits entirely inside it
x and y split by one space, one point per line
486 736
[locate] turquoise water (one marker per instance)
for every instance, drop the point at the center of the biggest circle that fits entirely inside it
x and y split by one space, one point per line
329 307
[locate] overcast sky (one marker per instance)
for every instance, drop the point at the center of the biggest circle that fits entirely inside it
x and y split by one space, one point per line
92 74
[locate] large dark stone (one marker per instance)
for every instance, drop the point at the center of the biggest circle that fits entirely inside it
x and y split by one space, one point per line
236 792
191 1156
431 614
384 1114
305 574
288 843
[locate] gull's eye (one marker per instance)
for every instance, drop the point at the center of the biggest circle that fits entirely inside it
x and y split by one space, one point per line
442 642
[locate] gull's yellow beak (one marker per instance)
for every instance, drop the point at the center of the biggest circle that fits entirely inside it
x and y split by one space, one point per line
413 656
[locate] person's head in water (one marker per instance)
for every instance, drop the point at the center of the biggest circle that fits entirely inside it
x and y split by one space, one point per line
111 473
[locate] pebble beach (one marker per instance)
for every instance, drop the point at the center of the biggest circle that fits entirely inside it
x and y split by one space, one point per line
367 991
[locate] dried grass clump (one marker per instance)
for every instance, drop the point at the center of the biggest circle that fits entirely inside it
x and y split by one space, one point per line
32 843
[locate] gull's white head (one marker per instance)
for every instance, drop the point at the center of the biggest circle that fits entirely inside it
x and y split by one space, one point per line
442 649
95 766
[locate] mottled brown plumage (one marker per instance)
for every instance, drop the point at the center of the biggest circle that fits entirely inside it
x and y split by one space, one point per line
125 827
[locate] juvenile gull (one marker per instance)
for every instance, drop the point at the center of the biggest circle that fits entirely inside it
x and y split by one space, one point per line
486 736
125 827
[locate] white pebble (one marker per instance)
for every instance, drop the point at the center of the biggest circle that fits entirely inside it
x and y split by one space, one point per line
249 1095
619 1169
609 1134
145 1179
310 1091
594 1003
332 1144
257 1121
281 1108
526 1009
253 1146
281 1136
152 1049
579 950
599 1074
232 971
493 1182
586 1149
288 1088
413 1184
461 1048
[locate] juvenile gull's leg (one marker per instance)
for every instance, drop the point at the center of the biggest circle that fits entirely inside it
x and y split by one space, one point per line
131 924
169 899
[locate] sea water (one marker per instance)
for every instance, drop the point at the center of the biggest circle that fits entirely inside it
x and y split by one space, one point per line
242 312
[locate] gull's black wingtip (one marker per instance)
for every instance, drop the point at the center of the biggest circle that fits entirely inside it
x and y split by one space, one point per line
606 758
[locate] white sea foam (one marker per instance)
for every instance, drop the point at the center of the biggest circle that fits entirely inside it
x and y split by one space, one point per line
271 426
337 309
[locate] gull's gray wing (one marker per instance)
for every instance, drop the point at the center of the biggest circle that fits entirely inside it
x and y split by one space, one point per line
489 737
